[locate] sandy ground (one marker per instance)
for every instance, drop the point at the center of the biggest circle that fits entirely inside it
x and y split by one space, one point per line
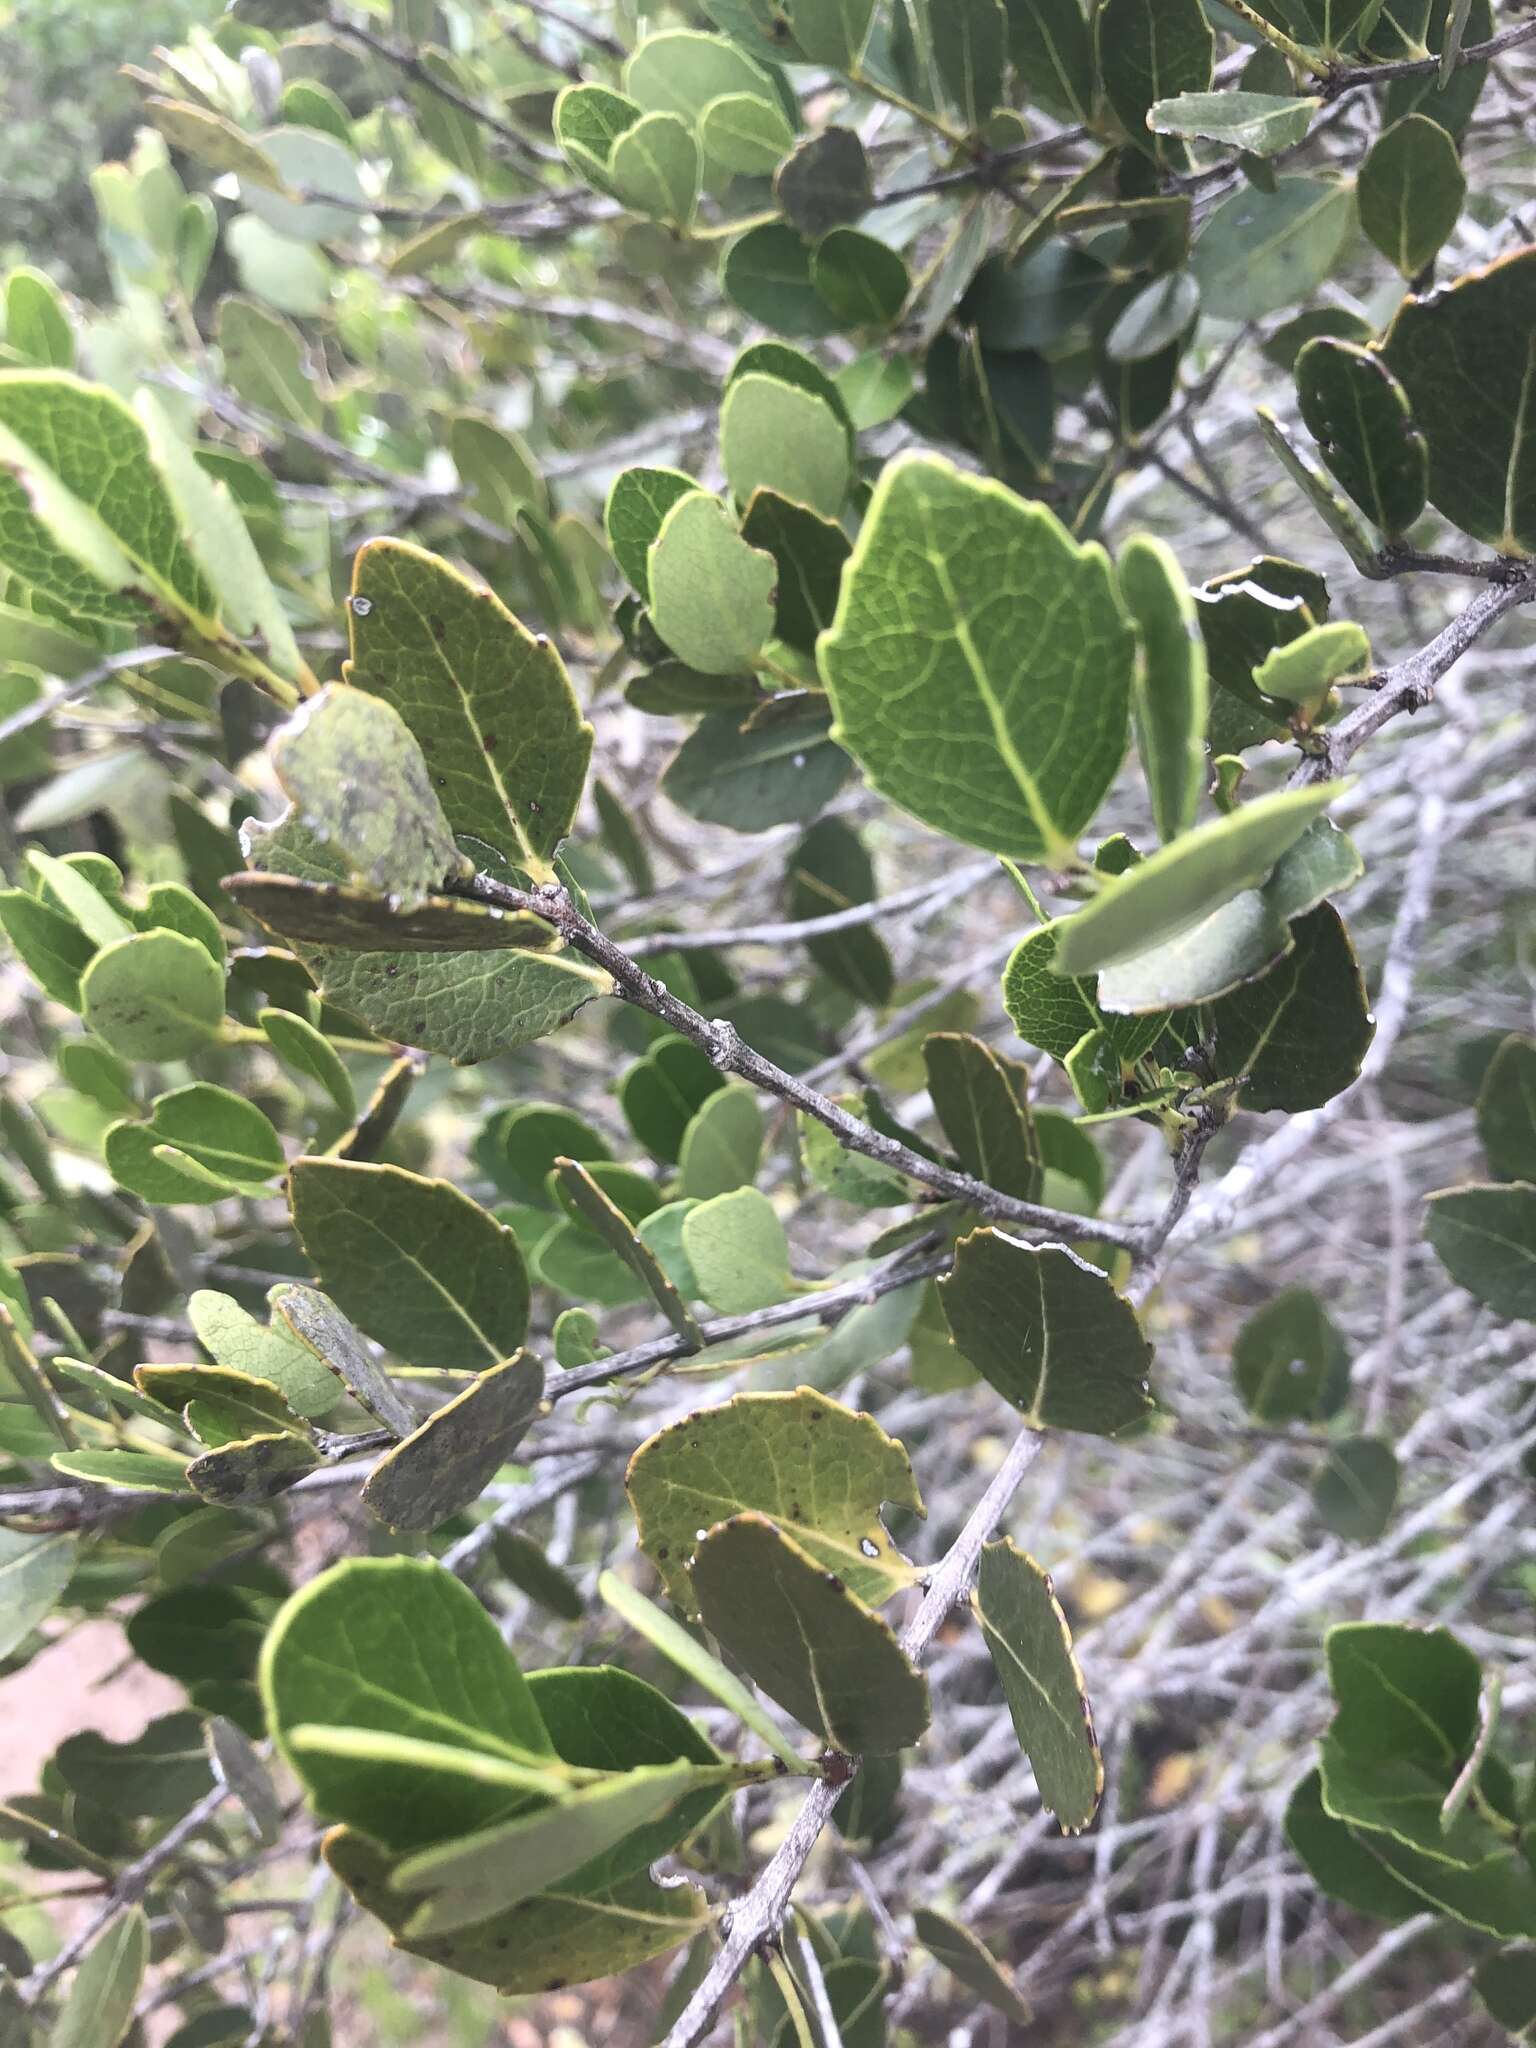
65 1689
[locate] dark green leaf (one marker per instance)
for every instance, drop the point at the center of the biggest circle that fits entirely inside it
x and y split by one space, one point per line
825 183
1031 1648
1356 1490
1298 1035
1465 357
778 773
981 1100
802 1636
1151 50
1485 1237
446 1464
809 552
1506 1110
1411 190
1357 413
1290 1363
416 1263
969 1959
1049 1333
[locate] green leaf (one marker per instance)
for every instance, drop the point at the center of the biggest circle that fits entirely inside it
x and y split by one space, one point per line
1506 1983
1303 671
1031 1648
306 1050
1355 1491
597 1924
1258 123
968 1959
590 1203
309 1319
680 72
1339 1860
528 1566
1506 1109
588 121
744 133
831 32
1170 697
235 1339
875 387
489 703
1049 1333
536 1852
154 996
1485 1237
72 889
830 871
216 1140
52 947
809 553
98 2012
85 516
654 168
1052 1011
690 1656
864 282
1053 49
349 763
969 41
156 1776
801 1635
1149 51
1157 317
1298 1035
817 1470
1390 1796
446 1464
1403 1692
1010 722
266 362
1411 191
132 1471
1262 251
711 594
776 436
722 1144
414 1262
826 183
220 543
736 1246
766 273
661 1092
1357 413
398 1645
782 771
981 1101
34 1570
1466 356
36 323
1180 884
637 504
1289 1361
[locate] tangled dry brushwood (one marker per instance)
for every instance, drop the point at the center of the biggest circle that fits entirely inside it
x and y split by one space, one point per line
1198 1579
